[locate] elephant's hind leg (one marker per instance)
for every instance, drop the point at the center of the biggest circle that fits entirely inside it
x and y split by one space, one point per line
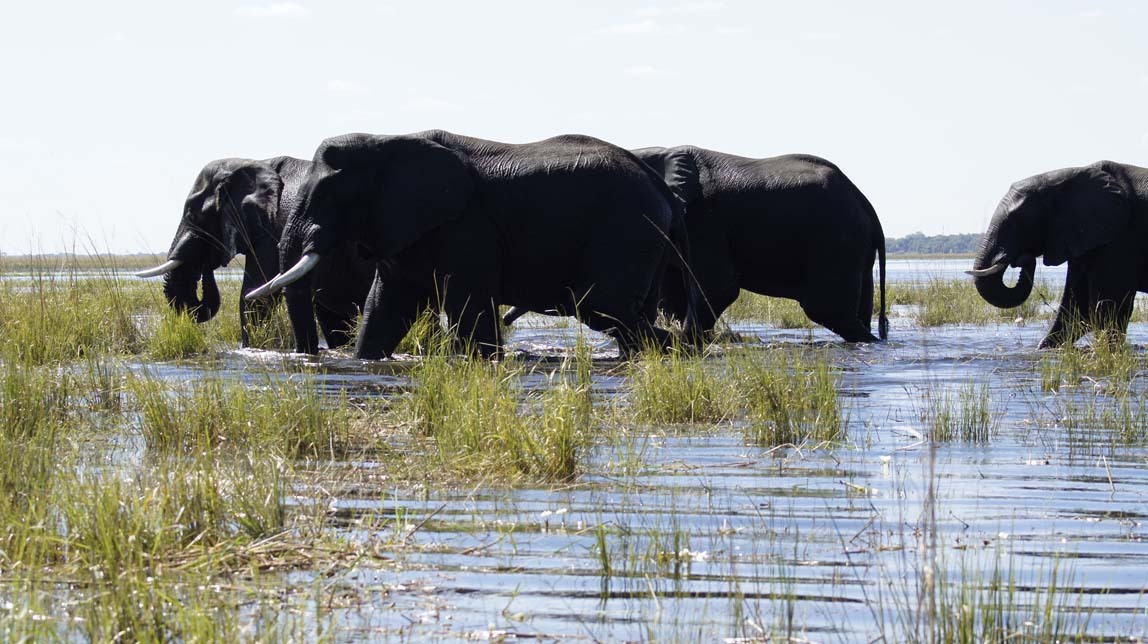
836 304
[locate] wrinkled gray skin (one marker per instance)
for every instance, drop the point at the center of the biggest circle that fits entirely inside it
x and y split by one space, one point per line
570 223
239 206
792 226
1094 217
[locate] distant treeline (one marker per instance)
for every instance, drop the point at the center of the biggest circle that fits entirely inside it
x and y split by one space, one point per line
922 244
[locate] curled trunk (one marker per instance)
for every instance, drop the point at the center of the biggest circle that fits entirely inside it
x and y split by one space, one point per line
993 289
181 289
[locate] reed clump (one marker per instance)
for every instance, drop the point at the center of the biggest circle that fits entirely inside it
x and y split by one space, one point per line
291 419
471 410
781 395
677 387
790 396
1114 363
964 415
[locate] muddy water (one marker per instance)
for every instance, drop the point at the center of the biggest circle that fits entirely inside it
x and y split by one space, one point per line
697 535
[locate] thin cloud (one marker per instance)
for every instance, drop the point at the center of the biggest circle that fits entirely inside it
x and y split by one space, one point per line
678 9
430 103
272 10
646 71
630 28
345 87
641 28
819 36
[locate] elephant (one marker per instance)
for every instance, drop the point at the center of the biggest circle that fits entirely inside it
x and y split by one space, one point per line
1095 217
239 206
792 226
570 223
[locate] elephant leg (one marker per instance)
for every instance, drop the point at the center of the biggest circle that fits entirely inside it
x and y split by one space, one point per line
475 321
301 310
865 306
390 311
834 302
336 326
1069 323
672 295
844 324
1111 311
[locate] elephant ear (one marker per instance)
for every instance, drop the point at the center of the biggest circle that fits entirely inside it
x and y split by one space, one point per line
415 184
1090 209
245 198
681 175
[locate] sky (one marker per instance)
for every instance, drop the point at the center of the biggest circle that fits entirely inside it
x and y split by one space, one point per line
110 109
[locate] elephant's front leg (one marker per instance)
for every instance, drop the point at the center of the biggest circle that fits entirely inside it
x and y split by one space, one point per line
1070 321
1110 312
389 313
301 310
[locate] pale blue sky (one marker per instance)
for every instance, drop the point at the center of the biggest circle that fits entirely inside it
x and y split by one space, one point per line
110 109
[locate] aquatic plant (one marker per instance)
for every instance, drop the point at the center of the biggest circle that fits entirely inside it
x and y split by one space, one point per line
287 417
676 387
790 396
964 415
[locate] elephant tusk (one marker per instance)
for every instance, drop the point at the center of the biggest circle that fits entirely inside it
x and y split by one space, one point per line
301 268
164 268
991 270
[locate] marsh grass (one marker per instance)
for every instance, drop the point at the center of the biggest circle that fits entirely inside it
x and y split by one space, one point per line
783 395
289 418
272 333
677 387
789 395
480 419
1114 363
177 336
976 600
426 336
780 312
50 318
965 414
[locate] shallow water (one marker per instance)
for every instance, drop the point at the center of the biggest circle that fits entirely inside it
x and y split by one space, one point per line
707 536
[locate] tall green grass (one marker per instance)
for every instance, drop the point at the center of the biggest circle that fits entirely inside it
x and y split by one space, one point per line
471 410
289 418
780 395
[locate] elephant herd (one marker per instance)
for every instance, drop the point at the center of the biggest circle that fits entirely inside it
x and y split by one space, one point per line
390 226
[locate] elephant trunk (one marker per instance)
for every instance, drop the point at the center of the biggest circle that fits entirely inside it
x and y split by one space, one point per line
989 269
179 287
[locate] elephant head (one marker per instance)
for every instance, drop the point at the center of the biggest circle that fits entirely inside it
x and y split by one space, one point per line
384 192
1061 215
232 208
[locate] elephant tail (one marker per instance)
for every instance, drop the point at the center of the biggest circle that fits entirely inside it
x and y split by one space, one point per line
879 242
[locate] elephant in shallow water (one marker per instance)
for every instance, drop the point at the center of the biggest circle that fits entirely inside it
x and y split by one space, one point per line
1095 217
792 226
570 223
239 206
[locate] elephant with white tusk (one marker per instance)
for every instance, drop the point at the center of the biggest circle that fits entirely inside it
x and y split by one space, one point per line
1095 217
238 206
